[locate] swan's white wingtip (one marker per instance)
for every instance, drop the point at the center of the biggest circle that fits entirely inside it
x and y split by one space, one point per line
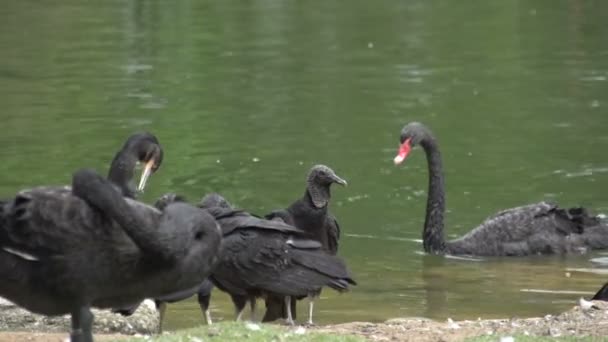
149 303
585 304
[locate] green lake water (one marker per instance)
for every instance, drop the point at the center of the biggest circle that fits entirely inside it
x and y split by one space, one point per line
245 96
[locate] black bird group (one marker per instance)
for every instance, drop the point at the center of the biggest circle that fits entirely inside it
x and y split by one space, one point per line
289 254
67 249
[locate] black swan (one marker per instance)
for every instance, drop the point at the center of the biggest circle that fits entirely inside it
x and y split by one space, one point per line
139 148
203 290
540 228
261 257
64 252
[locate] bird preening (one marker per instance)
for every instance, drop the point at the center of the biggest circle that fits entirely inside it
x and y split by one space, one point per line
66 249
91 247
140 148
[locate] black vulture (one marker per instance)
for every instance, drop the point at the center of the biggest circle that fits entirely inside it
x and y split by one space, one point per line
310 214
262 258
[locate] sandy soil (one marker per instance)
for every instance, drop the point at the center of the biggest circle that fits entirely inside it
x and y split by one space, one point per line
575 322
6 336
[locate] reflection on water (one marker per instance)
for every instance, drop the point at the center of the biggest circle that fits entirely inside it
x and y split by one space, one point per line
246 96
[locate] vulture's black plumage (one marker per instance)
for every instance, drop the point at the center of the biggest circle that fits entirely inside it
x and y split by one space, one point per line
261 257
230 275
310 214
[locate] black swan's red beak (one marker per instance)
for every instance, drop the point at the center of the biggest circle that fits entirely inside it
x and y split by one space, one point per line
404 150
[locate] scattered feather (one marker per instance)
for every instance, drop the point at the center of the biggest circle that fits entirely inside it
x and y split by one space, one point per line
586 305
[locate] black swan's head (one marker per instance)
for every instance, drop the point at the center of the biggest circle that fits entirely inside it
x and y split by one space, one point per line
318 183
412 134
139 149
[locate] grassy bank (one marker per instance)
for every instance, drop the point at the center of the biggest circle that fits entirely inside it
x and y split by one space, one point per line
232 331
524 338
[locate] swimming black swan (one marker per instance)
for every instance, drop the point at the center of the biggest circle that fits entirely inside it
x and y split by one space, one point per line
540 228
310 214
261 257
66 251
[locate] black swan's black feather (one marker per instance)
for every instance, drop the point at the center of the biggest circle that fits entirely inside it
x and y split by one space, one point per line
64 251
539 228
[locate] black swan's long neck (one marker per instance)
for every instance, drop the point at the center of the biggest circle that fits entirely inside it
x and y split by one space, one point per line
432 235
121 172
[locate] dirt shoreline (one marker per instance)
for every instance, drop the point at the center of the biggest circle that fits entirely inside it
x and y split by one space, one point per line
18 336
574 322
